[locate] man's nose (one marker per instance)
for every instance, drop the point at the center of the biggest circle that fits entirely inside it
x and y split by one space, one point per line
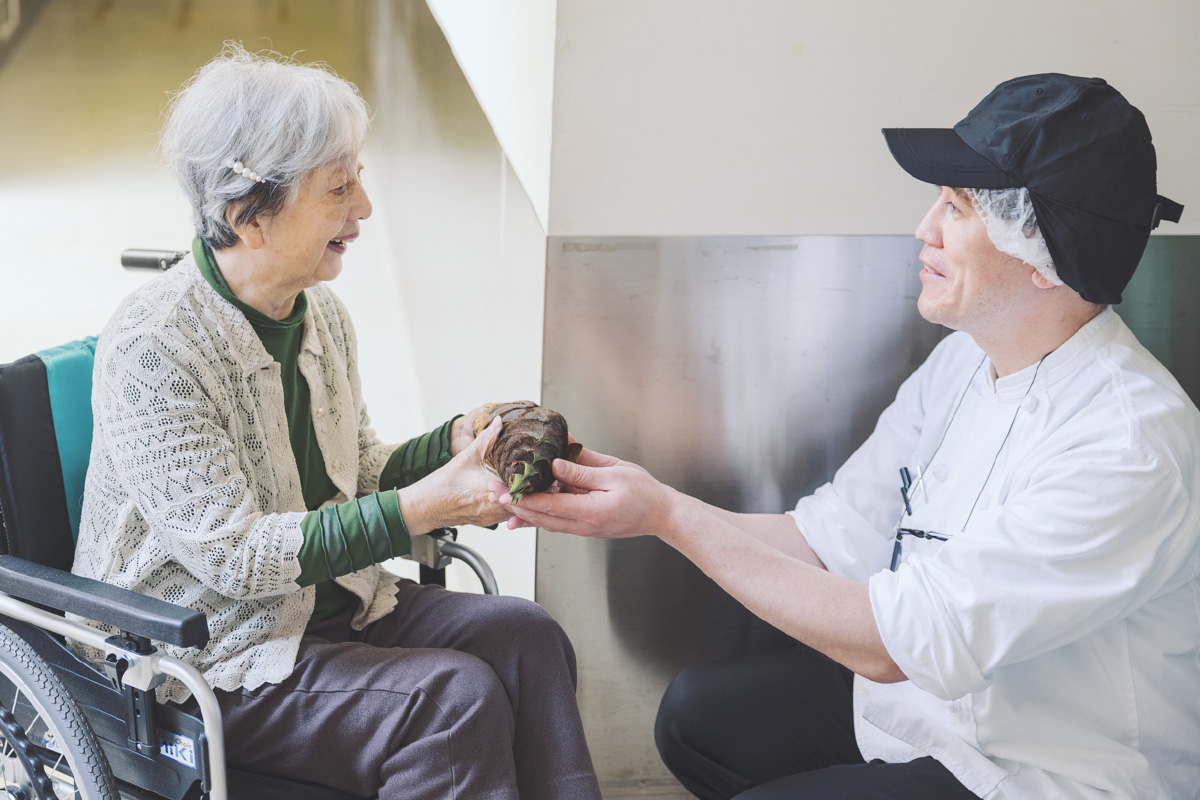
929 229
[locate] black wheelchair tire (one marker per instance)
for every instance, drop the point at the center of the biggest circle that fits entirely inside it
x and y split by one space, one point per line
42 703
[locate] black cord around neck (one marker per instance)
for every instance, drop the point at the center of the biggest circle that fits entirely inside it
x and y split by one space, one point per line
1004 441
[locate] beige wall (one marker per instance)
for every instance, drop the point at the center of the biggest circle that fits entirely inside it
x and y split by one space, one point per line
680 117
469 251
505 49
80 180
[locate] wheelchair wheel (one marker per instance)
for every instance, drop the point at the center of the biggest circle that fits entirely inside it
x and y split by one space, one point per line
47 747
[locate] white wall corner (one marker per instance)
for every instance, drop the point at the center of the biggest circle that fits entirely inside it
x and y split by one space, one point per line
505 49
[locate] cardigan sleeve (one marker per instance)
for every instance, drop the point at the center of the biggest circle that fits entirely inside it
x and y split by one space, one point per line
418 457
346 537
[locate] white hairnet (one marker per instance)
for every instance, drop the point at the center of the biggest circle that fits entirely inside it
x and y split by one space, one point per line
1012 226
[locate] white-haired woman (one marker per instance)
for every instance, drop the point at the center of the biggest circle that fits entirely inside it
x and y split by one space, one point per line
234 471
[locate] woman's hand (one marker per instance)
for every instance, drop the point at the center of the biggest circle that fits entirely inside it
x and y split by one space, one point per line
456 494
462 432
600 496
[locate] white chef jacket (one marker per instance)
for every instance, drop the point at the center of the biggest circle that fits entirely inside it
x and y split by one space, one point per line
1052 643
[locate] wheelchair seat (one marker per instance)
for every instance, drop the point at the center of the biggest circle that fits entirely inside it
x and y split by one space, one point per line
68 729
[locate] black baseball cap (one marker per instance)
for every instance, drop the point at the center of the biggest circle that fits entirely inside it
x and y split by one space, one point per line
1083 152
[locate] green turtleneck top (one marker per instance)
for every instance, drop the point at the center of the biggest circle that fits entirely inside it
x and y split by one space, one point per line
345 537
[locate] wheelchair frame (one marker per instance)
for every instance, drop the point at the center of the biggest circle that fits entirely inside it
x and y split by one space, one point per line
134 666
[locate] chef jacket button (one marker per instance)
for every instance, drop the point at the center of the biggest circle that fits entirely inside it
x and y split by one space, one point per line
940 471
984 502
1031 404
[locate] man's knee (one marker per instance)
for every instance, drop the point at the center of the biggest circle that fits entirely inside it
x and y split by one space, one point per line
681 713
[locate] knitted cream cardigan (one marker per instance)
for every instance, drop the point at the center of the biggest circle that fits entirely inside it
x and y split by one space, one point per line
192 491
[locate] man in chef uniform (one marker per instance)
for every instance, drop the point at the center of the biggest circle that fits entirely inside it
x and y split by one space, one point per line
998 594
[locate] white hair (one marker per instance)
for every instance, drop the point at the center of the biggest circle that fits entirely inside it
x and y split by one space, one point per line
277 117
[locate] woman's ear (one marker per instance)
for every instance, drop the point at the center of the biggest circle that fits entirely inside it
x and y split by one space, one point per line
249 231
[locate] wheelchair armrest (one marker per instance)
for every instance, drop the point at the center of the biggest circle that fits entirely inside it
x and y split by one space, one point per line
102 602
435 549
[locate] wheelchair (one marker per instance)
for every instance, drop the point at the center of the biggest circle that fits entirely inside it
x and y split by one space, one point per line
67 728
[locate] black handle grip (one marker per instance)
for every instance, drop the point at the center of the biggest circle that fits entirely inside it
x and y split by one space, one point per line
151 259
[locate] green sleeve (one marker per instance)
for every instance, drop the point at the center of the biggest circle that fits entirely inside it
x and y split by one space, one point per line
344 538
417 457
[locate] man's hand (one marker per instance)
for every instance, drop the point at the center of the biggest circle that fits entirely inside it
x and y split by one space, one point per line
601 497
607 498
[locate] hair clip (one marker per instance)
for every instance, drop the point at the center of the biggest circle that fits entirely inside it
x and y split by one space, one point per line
245 171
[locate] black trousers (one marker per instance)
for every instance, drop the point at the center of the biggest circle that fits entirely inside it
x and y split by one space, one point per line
780 726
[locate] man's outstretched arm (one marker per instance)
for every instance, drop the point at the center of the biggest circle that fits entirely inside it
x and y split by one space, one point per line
775 576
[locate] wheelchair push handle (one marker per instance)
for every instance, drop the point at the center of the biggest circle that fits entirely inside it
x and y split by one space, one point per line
161 260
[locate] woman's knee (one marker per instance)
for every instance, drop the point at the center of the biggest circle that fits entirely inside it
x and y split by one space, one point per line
528 629
465 689
519 614
462 674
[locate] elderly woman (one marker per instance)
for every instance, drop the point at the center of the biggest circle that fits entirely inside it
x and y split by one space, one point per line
234 471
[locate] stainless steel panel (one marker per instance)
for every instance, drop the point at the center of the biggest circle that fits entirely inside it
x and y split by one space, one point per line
739 370
743 371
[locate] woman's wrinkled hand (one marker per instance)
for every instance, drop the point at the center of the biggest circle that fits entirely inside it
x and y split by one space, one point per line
462 431
456 494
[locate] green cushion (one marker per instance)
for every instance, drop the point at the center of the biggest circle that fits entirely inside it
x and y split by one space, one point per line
69 379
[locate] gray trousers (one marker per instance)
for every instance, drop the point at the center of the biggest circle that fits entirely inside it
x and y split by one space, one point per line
450 696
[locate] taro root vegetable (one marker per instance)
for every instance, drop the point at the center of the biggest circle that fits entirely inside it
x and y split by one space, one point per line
532 437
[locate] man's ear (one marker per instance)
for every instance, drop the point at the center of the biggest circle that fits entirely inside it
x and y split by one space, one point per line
1041 281
250 232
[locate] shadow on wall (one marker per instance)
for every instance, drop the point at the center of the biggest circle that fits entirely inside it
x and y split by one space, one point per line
741 370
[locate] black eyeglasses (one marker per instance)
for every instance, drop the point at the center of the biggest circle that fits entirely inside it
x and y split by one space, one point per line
906 484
